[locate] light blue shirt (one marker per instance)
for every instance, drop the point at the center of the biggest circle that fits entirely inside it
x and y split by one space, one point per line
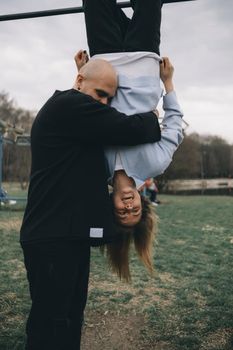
139 91
149 160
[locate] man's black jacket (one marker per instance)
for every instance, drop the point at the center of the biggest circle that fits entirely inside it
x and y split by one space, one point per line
68 194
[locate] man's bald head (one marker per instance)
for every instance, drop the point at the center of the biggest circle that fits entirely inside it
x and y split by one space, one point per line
98 79
99 69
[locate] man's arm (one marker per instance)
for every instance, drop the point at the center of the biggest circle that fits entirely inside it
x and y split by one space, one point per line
102 124
91 122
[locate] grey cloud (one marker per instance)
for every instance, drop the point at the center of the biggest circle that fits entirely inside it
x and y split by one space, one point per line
200 39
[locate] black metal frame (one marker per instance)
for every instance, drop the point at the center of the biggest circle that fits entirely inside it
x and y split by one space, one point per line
63 11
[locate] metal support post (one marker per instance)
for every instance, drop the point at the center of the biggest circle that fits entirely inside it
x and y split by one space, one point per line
1 167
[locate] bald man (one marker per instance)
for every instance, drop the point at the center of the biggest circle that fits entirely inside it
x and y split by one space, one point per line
63 218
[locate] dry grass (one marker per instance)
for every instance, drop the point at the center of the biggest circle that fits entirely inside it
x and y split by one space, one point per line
220 339
187 305
8 224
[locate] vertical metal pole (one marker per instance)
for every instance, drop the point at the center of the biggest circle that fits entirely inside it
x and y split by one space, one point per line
1 161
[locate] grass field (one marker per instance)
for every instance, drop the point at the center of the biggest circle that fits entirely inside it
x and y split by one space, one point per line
187 305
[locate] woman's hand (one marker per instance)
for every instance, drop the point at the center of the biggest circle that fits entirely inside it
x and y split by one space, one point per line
81 58
166 74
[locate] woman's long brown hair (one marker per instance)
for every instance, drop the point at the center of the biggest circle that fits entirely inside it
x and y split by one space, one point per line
142 235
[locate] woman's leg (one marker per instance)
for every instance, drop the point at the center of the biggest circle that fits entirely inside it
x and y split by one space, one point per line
106 26
144 29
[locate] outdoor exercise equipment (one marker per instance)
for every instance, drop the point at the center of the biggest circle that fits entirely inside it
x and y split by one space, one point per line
19 139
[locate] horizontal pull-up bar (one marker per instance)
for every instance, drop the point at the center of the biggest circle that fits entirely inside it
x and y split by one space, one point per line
63 11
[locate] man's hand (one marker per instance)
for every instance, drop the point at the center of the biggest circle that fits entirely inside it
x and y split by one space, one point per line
166 74
81 58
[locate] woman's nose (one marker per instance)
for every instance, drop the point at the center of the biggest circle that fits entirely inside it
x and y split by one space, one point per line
129 206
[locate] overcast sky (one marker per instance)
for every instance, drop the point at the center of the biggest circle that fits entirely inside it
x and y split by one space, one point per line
36 57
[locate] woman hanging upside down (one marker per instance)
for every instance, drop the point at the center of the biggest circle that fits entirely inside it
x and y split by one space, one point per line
132 47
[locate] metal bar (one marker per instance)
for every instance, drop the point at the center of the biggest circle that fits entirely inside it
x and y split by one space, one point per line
1 161
63 11
13 198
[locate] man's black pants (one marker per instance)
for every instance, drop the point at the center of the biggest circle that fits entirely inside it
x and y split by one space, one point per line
58 275
110 30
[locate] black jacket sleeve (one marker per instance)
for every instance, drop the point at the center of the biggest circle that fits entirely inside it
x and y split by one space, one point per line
92 122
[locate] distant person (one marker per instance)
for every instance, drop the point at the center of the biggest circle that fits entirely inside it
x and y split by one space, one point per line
152 190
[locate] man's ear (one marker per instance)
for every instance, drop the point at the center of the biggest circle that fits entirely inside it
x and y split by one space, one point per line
79 80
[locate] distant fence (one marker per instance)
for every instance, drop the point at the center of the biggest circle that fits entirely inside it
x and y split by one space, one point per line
221 185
